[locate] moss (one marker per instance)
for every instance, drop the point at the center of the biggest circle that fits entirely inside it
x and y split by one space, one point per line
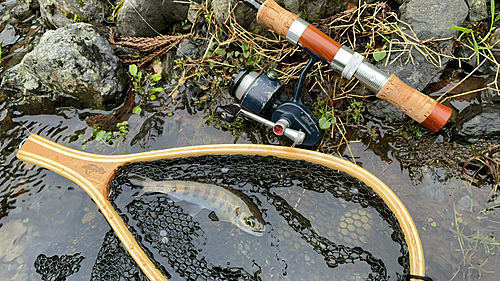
80 3
77 18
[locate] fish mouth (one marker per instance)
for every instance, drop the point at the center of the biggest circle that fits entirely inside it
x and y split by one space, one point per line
257 233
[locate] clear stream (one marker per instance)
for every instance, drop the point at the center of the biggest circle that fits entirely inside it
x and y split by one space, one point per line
44 213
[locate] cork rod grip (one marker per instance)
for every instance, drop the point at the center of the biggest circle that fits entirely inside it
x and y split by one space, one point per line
413 103
276 18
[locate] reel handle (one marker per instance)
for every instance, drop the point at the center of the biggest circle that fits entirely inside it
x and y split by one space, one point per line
418 106
280 128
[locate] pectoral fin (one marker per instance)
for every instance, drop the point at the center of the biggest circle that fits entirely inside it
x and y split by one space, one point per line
213 216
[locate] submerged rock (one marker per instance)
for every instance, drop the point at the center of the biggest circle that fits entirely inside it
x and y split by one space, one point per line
147 18
72 65
480 122
13 238
60 13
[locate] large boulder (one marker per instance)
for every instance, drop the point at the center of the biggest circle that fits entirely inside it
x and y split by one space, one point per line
147 18
310 10
60 13
76 64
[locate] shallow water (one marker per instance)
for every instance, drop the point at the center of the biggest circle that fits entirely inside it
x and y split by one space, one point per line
44 213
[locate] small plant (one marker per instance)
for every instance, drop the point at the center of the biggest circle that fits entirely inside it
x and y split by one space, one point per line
105 137
327 120
482 46
430 224
144 86
355 110
379 55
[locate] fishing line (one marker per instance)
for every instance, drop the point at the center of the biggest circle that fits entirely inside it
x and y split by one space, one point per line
145 20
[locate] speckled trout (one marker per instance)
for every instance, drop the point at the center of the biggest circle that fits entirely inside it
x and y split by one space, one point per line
226 203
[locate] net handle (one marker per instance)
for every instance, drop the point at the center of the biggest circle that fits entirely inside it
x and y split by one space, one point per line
70 164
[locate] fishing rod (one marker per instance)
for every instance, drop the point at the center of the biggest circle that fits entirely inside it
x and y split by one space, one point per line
256 99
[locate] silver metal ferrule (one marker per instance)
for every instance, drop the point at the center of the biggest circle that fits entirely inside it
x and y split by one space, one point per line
373 77
296 29
350 63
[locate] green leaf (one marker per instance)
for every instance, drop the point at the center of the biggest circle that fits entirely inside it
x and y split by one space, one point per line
246 54
220 52
156 77
496 18
156 90
230 54
462 29
245 47
476 47
379 55
324 124
492 10
139 76
152 97
132 69
236 53
137 110
328 115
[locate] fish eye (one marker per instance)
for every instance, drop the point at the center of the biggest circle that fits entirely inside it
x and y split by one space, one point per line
250 222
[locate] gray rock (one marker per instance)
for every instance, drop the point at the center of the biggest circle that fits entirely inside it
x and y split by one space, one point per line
479 122
187 49
427 19
13 239
466 203
9 36
382 109
147 18
477 10
60 13
76 63
310 10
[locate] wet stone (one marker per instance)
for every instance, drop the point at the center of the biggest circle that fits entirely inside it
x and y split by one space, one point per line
477 10
159 14
60 13
71 63
12 240
466 203
9 35
479 122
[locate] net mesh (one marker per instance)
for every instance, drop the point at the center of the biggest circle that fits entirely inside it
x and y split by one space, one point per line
177 243
56 268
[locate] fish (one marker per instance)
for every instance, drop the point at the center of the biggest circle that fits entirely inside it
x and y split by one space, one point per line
226 203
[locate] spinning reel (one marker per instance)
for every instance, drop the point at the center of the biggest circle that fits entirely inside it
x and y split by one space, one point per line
259 96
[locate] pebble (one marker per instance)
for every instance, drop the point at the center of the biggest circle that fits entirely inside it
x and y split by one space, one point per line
12 240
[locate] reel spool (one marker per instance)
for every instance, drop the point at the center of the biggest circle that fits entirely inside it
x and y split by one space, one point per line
259 96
